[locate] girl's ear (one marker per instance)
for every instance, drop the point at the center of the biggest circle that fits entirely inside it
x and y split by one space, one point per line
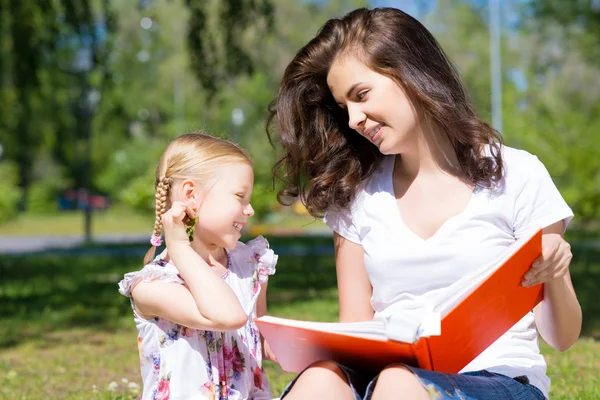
190 193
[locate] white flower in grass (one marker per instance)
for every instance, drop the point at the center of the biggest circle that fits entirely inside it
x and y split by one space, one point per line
125 381
112 387
133 387
94 389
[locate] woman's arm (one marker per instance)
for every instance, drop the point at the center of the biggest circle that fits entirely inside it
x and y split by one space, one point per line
354 287
558 317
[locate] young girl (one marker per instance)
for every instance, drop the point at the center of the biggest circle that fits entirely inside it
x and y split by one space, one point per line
379 135
194 304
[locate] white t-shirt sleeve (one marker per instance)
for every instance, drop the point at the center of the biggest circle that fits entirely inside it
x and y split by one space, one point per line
538 203
342 222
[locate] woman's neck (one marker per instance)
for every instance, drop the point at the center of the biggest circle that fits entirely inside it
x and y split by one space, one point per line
431 153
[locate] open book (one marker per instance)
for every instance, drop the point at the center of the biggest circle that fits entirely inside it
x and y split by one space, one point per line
470 316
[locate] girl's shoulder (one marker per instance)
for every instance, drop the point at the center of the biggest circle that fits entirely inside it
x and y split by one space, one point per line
157 269
254 255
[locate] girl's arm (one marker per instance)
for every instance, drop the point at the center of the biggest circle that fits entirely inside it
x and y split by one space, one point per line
207 303
354 287
558 317
174 302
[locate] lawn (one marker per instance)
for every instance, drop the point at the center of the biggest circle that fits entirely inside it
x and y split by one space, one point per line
71 223
117 220
65 332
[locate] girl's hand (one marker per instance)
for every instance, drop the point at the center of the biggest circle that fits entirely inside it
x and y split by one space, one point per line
174 224
552 264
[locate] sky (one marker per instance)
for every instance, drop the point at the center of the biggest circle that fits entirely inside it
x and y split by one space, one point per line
411 7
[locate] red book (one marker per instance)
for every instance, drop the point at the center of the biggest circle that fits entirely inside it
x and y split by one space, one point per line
490 306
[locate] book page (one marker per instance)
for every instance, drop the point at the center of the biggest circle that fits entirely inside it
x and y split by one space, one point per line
455 293
370 329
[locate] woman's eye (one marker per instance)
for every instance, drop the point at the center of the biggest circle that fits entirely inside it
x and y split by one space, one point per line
361 95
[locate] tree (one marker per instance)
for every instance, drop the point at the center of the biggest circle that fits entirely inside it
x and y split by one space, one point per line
249 92
36 38
579 20
46 98
215 37
560 105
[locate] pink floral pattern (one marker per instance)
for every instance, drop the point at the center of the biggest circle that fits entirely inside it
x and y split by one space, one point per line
234 359
163 392
258 377
264 261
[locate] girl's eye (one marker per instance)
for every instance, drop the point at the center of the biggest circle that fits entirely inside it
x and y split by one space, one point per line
240 195
361 95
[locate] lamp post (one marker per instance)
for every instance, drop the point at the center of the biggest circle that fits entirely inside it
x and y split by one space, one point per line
87 105
495 64
86 108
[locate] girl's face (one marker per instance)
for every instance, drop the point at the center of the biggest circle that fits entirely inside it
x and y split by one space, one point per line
224 206
378 108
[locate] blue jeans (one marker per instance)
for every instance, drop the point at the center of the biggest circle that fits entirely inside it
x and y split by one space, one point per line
477 385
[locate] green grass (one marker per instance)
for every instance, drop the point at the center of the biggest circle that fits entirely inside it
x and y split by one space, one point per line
71 223
118 220
65 332
574 373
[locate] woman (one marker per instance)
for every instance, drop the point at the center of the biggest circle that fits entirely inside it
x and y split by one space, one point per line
379 135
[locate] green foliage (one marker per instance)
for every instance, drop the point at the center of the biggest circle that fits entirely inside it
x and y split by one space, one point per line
42 199
556 115
463 34
10 193
48 182
200 60
39 40
262 201
136 159
139 193
215 37
579 19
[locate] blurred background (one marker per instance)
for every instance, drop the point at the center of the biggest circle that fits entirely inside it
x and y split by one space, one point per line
92 90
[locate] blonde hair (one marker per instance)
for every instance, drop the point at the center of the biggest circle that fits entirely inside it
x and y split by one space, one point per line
193 155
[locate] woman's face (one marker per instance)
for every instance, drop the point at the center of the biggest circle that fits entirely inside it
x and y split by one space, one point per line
377 106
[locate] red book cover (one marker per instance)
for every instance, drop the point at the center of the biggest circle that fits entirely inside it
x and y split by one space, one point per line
486 313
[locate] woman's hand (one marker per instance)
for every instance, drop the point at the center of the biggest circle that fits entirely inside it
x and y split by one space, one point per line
174 224
552 264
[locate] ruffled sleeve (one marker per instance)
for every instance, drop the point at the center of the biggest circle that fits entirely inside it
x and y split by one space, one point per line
263 257
157 270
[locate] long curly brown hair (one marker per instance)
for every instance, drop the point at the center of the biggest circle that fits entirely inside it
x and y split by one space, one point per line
324 160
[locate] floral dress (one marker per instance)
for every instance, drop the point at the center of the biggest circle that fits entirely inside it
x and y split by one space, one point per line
182 363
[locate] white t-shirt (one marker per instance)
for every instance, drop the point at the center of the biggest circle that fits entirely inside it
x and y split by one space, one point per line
407 271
